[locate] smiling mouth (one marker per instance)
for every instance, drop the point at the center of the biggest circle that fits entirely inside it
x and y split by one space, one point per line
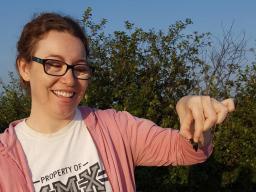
63 93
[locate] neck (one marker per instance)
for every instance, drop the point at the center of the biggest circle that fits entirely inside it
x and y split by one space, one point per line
47 123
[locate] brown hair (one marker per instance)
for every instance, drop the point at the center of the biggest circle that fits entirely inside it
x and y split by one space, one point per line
40 25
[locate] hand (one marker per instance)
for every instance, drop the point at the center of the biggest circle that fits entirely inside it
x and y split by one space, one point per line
198 114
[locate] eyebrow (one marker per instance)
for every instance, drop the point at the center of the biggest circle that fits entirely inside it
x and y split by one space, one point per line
62 58
58 56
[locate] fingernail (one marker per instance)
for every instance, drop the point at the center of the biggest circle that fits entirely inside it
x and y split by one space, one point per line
194 144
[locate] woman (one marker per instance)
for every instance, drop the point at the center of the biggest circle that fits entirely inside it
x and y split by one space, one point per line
61 147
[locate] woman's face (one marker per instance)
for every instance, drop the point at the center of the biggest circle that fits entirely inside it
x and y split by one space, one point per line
57 96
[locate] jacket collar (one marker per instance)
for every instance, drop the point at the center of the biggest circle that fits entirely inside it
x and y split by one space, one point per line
89 117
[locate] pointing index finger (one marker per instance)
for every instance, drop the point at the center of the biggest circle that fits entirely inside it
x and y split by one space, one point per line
198 120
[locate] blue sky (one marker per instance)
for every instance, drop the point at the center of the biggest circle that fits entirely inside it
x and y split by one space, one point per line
207 16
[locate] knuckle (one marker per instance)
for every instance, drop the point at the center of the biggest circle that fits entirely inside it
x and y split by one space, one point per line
207 97
198 116
196 98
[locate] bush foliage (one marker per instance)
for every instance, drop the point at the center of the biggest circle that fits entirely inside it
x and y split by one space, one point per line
145 73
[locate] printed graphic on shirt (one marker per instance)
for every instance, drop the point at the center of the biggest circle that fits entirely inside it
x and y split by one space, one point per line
80 178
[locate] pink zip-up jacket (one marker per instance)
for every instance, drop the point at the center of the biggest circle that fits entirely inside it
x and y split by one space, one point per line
123 142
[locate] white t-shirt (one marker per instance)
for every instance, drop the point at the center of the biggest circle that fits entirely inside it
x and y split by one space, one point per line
63 161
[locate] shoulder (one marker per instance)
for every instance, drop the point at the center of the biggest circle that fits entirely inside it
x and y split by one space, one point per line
89 110
108 119
108 115
8 140
94 114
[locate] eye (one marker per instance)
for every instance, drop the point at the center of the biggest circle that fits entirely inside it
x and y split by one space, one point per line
54 63
82 68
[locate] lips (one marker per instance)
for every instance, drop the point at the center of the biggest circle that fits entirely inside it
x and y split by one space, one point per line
61 93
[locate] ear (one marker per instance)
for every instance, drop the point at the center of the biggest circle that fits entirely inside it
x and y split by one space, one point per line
24 69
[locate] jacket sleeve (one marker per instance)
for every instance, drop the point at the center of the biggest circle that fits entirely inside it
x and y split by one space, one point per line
152 145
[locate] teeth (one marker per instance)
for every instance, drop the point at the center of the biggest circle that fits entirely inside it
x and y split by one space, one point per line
64 93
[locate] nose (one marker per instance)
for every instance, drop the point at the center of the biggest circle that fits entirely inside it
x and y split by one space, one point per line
68 78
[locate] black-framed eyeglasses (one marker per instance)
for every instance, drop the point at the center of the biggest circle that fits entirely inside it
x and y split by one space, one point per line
59 68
